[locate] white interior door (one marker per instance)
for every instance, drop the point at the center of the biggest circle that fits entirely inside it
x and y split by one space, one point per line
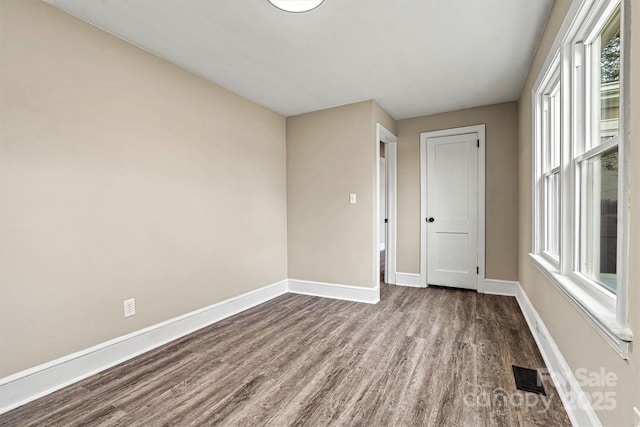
452 211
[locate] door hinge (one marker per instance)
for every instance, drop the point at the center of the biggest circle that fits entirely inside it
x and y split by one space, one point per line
477 270
478 143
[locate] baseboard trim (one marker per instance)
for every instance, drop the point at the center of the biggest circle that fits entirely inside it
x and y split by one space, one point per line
573 398
33 383
500 287
409 279
335 291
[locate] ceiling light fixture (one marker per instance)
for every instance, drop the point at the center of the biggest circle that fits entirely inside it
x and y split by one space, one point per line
296 5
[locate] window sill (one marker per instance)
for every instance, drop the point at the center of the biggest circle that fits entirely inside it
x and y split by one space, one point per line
599 315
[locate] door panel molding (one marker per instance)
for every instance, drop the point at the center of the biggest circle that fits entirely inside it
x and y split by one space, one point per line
480 131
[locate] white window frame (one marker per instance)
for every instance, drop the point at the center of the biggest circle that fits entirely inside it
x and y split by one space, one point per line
542 135
605 311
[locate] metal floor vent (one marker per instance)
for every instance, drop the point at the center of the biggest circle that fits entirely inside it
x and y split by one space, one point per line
528 380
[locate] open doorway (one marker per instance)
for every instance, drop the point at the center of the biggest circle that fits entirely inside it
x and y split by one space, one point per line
384 220
385 243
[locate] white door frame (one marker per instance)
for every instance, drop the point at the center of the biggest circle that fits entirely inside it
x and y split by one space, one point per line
390 140
480 130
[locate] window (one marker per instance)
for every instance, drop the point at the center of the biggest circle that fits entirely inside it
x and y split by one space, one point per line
597 157
550 167
579 238
599 218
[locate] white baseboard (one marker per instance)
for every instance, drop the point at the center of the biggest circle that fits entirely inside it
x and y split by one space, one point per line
44 379
500 287
408 279
335 291
573 398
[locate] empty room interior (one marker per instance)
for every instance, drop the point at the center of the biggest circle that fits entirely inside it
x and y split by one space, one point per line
320 212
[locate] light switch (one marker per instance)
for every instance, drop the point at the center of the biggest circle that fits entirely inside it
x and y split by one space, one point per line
352 198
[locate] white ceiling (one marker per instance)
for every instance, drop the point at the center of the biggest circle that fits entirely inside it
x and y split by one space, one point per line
414 57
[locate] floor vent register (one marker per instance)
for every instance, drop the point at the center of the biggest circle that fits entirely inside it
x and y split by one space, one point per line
528 380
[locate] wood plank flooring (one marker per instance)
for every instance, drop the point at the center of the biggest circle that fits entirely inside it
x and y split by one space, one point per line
421 357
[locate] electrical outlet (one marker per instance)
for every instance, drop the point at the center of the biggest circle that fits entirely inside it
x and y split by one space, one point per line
353 198
129 307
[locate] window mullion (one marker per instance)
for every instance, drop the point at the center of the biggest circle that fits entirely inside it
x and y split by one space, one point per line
568 72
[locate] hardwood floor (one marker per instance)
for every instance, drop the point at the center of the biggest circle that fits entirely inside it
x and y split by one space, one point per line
421 357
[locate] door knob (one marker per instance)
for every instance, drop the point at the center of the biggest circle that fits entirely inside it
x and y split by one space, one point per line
431 219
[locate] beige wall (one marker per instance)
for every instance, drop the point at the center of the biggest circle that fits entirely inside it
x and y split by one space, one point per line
330 154
579 343
501 185
123 176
